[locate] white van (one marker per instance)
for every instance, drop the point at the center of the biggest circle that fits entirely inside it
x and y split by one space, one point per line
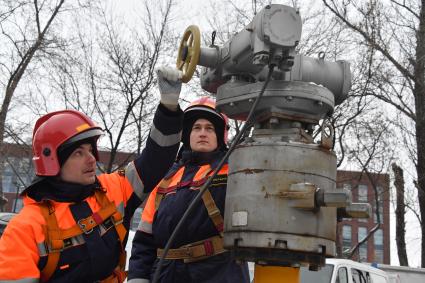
344 271
403 274
340 271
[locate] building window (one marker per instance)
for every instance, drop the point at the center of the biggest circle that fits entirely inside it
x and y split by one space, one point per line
347 186
381 213
378 240
17 205
360 276
342 275
362 193
17 172
346 237
380 192
363 247
364 220
7 182
362 197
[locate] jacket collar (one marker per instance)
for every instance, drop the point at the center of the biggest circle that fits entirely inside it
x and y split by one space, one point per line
50 188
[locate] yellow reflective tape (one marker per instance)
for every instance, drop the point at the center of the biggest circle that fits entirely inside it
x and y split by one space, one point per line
82 127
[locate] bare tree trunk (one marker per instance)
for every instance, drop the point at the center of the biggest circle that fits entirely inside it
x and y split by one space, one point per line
17 74
399 215
338 241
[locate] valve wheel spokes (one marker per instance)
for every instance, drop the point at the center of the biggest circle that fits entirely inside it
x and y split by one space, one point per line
189 50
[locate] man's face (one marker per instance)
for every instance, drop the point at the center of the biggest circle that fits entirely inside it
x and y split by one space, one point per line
202 136
80 167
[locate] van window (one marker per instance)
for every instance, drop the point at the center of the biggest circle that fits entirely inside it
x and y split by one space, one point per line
376 278
324 275
360 276
342 276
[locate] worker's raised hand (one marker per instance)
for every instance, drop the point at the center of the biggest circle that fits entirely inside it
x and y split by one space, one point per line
169 84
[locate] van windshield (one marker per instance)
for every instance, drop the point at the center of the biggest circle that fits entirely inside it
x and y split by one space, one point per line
324 275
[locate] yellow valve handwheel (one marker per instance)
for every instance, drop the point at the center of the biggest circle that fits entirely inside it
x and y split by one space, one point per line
189 50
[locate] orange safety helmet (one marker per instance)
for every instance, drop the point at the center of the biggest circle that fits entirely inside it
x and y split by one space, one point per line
58 130
205 108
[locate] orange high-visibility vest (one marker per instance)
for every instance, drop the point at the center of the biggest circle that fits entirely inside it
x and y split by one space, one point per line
170 184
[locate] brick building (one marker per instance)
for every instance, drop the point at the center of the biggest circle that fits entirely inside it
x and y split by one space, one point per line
19 171
351 231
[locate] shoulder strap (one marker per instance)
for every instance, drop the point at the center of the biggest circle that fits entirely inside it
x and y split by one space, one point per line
53 238
213 211
108 206
159 196
118 223
164 184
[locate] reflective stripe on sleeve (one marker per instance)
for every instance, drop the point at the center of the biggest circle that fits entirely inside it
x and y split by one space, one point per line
138 280
42 251
25 280
135 181
121 209
164 140
145 227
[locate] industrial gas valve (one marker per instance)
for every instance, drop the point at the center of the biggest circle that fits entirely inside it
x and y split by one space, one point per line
281 202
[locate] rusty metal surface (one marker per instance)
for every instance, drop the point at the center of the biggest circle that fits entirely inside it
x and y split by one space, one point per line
273 243
261 175
302 195
356 210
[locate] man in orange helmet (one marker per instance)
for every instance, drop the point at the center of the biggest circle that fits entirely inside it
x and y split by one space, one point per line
74 224
197 254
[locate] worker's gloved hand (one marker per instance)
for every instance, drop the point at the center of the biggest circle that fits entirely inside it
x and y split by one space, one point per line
170 85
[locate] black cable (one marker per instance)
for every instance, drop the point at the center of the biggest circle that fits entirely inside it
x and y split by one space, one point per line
209 180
